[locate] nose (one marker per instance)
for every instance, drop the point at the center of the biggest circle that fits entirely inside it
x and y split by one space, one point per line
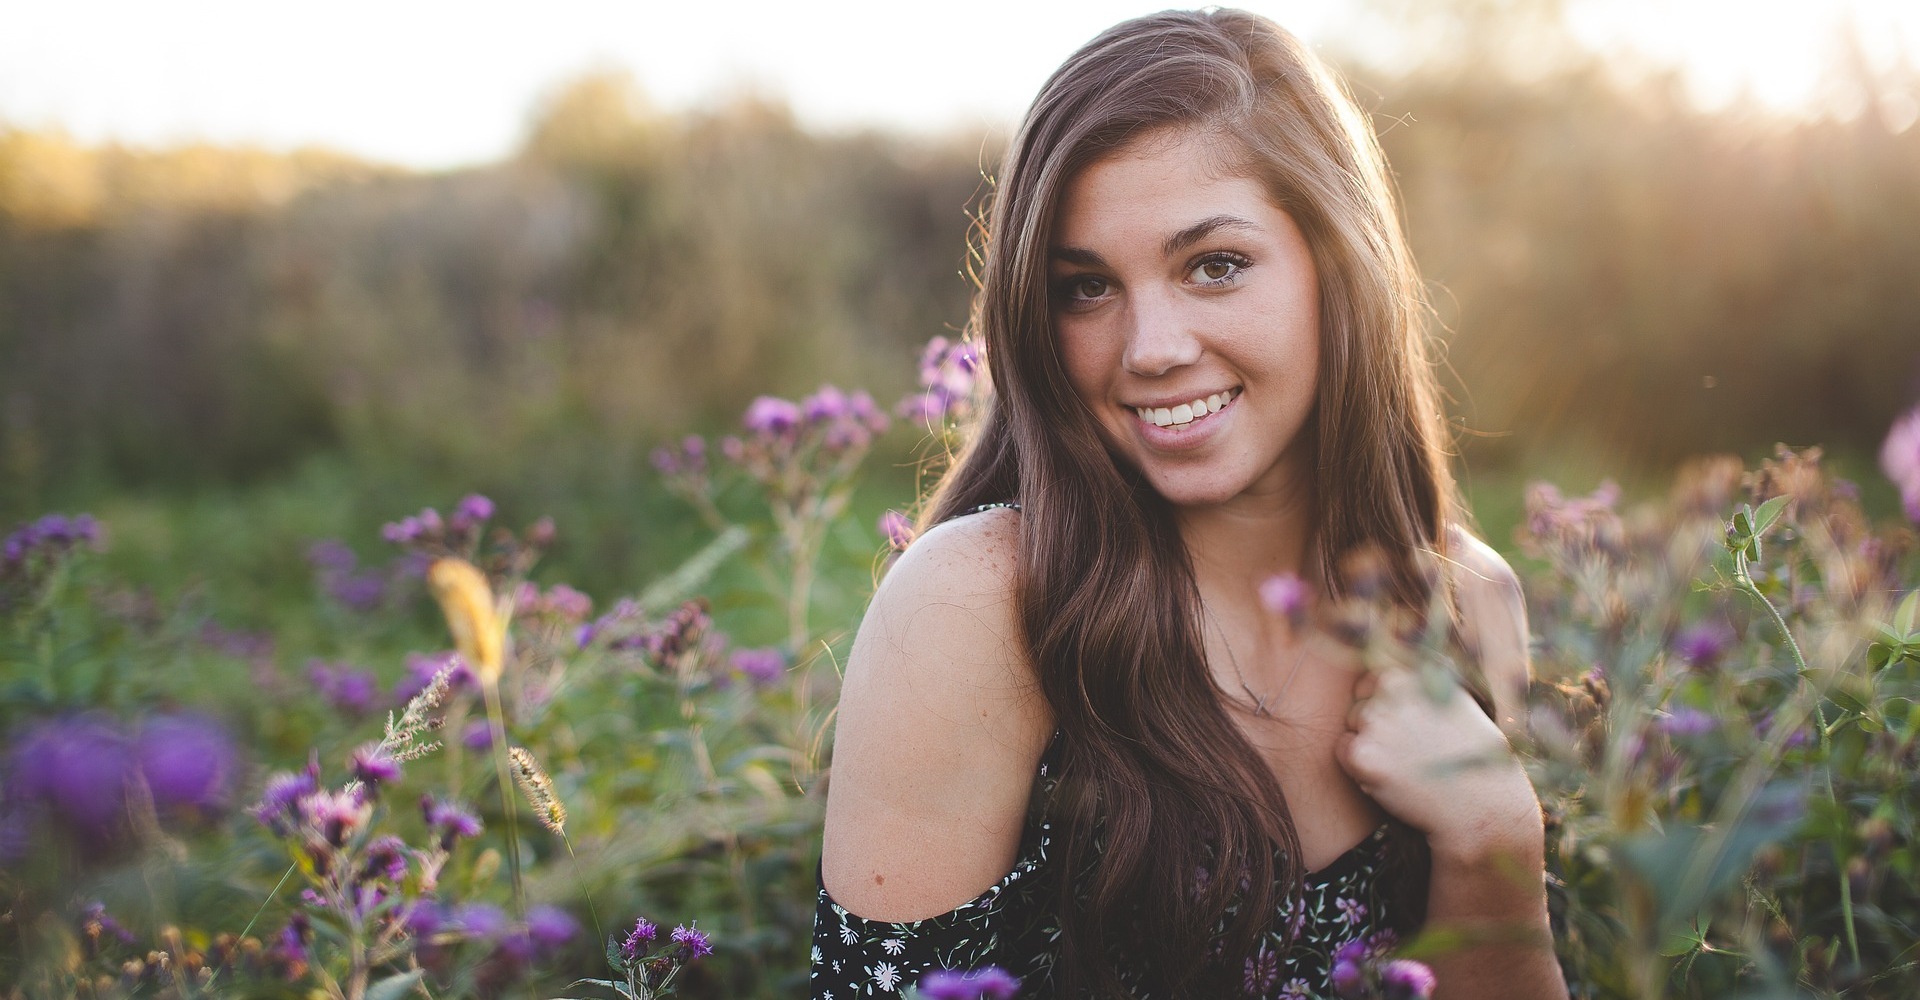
1158 337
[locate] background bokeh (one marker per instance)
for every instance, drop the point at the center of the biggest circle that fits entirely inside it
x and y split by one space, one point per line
1621 279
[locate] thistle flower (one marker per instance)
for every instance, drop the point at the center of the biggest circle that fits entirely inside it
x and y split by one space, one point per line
761 666
1405 979
538 788
896 529
1900 460
373 765
187 761
694 942
639 940
467 600
771 416
550 928
989 983
386 857
1685 721
1701 645
1287 596
348 689
448 821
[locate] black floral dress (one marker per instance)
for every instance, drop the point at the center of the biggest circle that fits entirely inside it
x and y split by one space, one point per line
1012 925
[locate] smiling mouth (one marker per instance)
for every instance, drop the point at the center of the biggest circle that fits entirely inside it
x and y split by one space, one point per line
1187 413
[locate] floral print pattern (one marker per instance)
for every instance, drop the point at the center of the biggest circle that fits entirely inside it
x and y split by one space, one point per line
1012 925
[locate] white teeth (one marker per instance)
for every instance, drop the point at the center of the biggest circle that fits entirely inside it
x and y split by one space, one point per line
1186 413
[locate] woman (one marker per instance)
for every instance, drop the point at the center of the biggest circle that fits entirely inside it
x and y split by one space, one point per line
1071 742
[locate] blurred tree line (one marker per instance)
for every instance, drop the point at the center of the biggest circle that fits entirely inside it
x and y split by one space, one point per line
1616 272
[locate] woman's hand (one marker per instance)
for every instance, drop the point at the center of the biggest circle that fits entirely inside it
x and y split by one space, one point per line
1440 766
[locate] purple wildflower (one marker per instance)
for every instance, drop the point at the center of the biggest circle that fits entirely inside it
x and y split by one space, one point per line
826 406
96 922
988 983
551 928
639 939
79 767
896 529
188 762
1286 595
337 815
386 858
279 806
694 940
448 820
374 766
1685 721
481 920
361 592
478 735
423 667
761 666
350 690
771 416
472 509
1405 979
1347 979
1900 460
1701 645
331 555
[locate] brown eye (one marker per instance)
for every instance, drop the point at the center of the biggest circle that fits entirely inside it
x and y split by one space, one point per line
1219 269
1089 288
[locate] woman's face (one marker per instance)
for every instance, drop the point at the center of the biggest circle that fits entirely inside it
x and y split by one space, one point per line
1187 309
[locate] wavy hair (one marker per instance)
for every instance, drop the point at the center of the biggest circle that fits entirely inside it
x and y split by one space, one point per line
1156 781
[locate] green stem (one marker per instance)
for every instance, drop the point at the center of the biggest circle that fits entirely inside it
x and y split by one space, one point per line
1744 581
497 726
244 931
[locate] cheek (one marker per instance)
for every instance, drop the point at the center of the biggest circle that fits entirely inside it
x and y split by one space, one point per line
1088 360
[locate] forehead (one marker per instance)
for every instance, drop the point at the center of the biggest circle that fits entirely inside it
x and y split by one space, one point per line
1157 184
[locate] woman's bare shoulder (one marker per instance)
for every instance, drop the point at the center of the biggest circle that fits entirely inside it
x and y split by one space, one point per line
1493 614
939 730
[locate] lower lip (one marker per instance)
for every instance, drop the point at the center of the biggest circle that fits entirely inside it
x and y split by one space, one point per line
1182 437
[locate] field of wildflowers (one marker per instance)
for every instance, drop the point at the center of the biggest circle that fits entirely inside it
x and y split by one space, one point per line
516 789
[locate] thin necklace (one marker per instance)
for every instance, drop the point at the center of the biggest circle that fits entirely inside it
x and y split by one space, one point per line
1259 701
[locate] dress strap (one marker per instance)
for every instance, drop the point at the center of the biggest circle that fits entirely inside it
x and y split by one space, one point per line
1010 505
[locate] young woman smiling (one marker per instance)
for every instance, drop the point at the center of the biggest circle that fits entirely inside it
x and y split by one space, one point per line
1071 742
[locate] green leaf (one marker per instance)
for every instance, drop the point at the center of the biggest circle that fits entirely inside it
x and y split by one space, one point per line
1770 512
1879 655
395 987
1904 615
1692 938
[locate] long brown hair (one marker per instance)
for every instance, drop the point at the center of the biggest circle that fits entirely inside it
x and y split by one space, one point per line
1154 772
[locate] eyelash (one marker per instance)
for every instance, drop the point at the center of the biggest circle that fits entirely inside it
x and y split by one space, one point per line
1240 264
1063 289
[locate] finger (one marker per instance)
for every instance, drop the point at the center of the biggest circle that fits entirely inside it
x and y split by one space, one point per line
1365 685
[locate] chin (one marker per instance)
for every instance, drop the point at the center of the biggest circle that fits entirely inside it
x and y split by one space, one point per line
1193 491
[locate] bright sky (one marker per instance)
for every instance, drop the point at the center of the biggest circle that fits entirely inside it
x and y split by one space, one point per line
438 83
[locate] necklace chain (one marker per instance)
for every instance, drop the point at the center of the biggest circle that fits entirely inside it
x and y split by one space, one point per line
1258 701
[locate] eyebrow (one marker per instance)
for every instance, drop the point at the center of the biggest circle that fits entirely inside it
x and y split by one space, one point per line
1174 244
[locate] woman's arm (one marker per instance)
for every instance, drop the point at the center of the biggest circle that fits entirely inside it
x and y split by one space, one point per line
1481 821
939 731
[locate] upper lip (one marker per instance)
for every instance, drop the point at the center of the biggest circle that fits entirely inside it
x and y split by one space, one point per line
1169 402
